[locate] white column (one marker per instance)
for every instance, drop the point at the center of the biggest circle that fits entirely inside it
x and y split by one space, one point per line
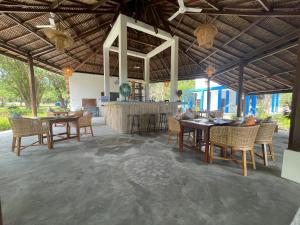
106 71
174 69
147 77
123 73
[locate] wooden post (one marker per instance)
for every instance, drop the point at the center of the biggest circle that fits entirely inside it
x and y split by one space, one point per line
174 69
106 72
147 77
240 90
1 217
32 86
208 97
294 138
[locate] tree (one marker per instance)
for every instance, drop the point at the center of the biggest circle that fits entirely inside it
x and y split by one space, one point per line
57 90
14 78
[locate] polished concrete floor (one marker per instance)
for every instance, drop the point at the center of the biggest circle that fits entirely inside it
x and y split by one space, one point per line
113 179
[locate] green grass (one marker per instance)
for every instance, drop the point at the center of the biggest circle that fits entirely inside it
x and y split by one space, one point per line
282 121
4 124
6 111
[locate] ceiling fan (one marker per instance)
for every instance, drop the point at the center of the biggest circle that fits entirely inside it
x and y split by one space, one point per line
182 9
51 21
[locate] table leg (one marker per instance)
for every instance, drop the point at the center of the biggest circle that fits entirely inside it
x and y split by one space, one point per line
68 130
181 138
77 130
206 138
51 134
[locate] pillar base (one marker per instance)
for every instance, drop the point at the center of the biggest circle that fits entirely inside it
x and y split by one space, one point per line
291 166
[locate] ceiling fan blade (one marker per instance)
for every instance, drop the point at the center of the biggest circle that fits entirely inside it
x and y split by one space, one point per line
174 15
52 14
197 10
45 26
180 3
52 21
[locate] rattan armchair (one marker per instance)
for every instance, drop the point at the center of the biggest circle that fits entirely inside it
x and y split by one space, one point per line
174 128
25 127
84 121
237 139
218 137
265 138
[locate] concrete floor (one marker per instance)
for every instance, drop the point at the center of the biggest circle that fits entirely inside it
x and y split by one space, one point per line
114 179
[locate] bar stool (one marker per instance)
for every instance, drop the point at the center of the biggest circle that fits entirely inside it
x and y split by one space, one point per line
135 123
151 123
163 122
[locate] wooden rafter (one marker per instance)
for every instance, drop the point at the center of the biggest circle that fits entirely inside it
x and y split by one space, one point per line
56 3
264 4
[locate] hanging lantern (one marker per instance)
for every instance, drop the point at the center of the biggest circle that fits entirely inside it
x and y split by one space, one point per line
60 39
206 34
68 71
210 70
166 83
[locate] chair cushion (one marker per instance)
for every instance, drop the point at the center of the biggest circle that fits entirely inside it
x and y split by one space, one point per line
250 121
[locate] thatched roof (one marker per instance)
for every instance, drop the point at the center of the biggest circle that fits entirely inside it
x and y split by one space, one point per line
262 34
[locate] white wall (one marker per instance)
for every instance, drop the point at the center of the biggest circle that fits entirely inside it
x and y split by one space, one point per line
84 85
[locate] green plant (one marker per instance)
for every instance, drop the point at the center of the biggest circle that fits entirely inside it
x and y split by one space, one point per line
4 124
282 121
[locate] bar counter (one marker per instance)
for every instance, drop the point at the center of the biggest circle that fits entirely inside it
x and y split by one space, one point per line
118 114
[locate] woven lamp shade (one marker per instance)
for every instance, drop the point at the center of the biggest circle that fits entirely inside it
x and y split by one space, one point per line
206 34
68 71
210 71
59 38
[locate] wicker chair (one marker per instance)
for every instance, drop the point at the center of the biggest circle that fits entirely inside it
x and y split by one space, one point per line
25 127
216 114
264 138
174 128
219 137
77 113
84 122
238 139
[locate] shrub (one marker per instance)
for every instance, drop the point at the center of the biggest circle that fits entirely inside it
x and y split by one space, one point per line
4 124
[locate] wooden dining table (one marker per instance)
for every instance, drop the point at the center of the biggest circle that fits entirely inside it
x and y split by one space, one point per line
63 135
201 128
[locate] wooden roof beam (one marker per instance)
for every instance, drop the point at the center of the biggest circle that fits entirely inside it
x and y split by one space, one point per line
213 5
266 50
46 9
56 3
34 32
14 49
234 38
274 13
265 5
98 4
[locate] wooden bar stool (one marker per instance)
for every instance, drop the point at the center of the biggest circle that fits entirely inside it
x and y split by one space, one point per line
151 123
135 124
163 122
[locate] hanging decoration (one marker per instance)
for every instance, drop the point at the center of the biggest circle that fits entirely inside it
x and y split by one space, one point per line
60 39
206 34
166 83
210 70
68 72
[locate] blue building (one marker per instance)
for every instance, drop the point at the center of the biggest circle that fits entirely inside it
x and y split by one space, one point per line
223 98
